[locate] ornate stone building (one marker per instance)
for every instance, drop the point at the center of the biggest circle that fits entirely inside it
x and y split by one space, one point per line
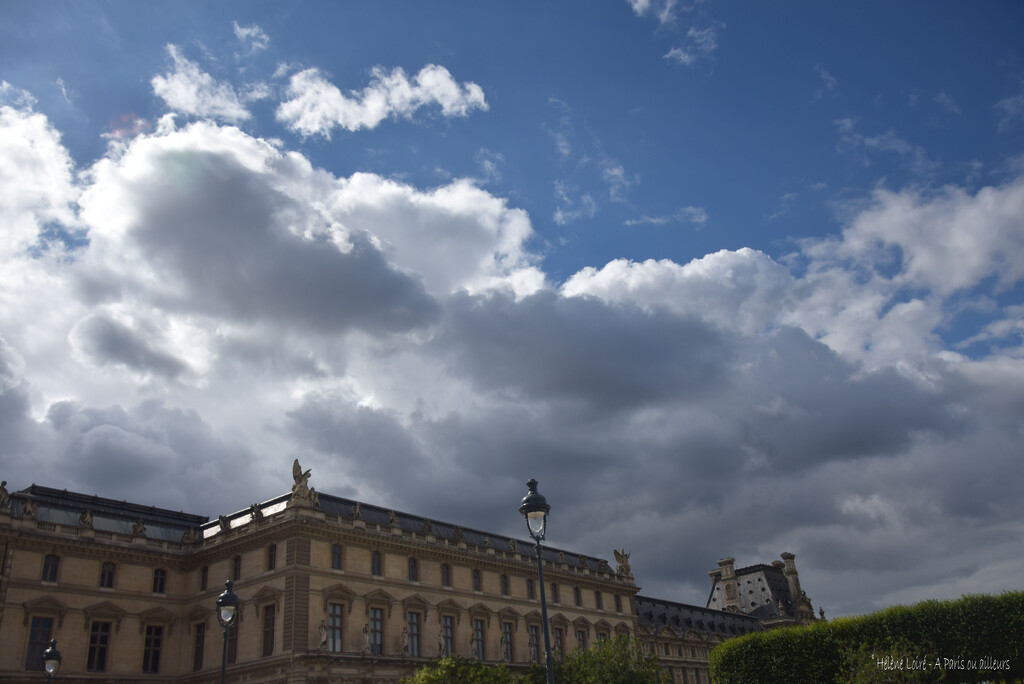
331 590
770 593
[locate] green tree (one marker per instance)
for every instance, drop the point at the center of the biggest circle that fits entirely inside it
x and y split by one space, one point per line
458 670
618 661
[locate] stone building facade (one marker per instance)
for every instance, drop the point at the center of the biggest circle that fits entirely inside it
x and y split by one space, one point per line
770 593
331 590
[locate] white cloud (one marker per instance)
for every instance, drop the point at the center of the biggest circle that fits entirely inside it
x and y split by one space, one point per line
36 183
192 91
253 37
1010 111
700 44
697 216
316 106
236 307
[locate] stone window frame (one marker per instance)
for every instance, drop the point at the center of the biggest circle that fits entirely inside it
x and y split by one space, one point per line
160 581
108 574
337 557
376 563
382 600
446 575
271 557
413 569
51 568
477 579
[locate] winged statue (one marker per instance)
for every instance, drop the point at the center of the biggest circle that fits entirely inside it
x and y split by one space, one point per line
622 558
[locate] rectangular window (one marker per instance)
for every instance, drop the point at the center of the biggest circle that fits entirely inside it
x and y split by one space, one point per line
272 557
268 630
534 643
414 635
577 596
478 637
505 585
233 643
477 584
581 638
507 650
598 601
448 635
375 563
554 594
618 603
204 577
159 581
334 618
529 589
236 568
336 556
38 641
50 563
603 637
446 575
414 572
559 643
107 575
376 631
151 650
199 645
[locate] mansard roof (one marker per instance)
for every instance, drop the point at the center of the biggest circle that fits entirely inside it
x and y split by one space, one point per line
761 588
109 515
379 515
654 614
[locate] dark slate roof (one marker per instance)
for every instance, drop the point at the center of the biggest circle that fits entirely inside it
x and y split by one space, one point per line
109 515
681 618
378 515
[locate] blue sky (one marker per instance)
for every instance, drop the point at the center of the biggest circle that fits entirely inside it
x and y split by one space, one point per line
728 279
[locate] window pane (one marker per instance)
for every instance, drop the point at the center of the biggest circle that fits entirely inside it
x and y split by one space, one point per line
376 631
479 643
414 635
448 634
159 581
197 649
336 556
334 616
107 575
38 641
50 563
507 650
99 638
151 651
446 575
268 630
534 644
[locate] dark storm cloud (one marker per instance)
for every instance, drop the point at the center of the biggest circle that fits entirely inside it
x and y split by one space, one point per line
109 342
217 236
149 452
581 349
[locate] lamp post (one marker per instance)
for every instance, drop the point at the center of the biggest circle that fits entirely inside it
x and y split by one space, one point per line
51 660
227 614
535 509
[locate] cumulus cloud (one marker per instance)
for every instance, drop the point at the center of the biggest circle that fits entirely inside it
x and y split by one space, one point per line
316 106
190 90
233 306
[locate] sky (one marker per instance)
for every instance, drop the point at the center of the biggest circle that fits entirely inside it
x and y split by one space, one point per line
728 279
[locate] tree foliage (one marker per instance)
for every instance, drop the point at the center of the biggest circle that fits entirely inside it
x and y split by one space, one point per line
972 639
458 670
616 661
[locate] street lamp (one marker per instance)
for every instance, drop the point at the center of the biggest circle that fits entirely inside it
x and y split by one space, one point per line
227 614
535 509
51 660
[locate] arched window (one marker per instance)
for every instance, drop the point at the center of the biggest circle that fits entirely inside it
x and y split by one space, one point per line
107 575
336 556
271 556
50 564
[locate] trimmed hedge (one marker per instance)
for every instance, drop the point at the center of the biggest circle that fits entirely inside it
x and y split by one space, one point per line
975 638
